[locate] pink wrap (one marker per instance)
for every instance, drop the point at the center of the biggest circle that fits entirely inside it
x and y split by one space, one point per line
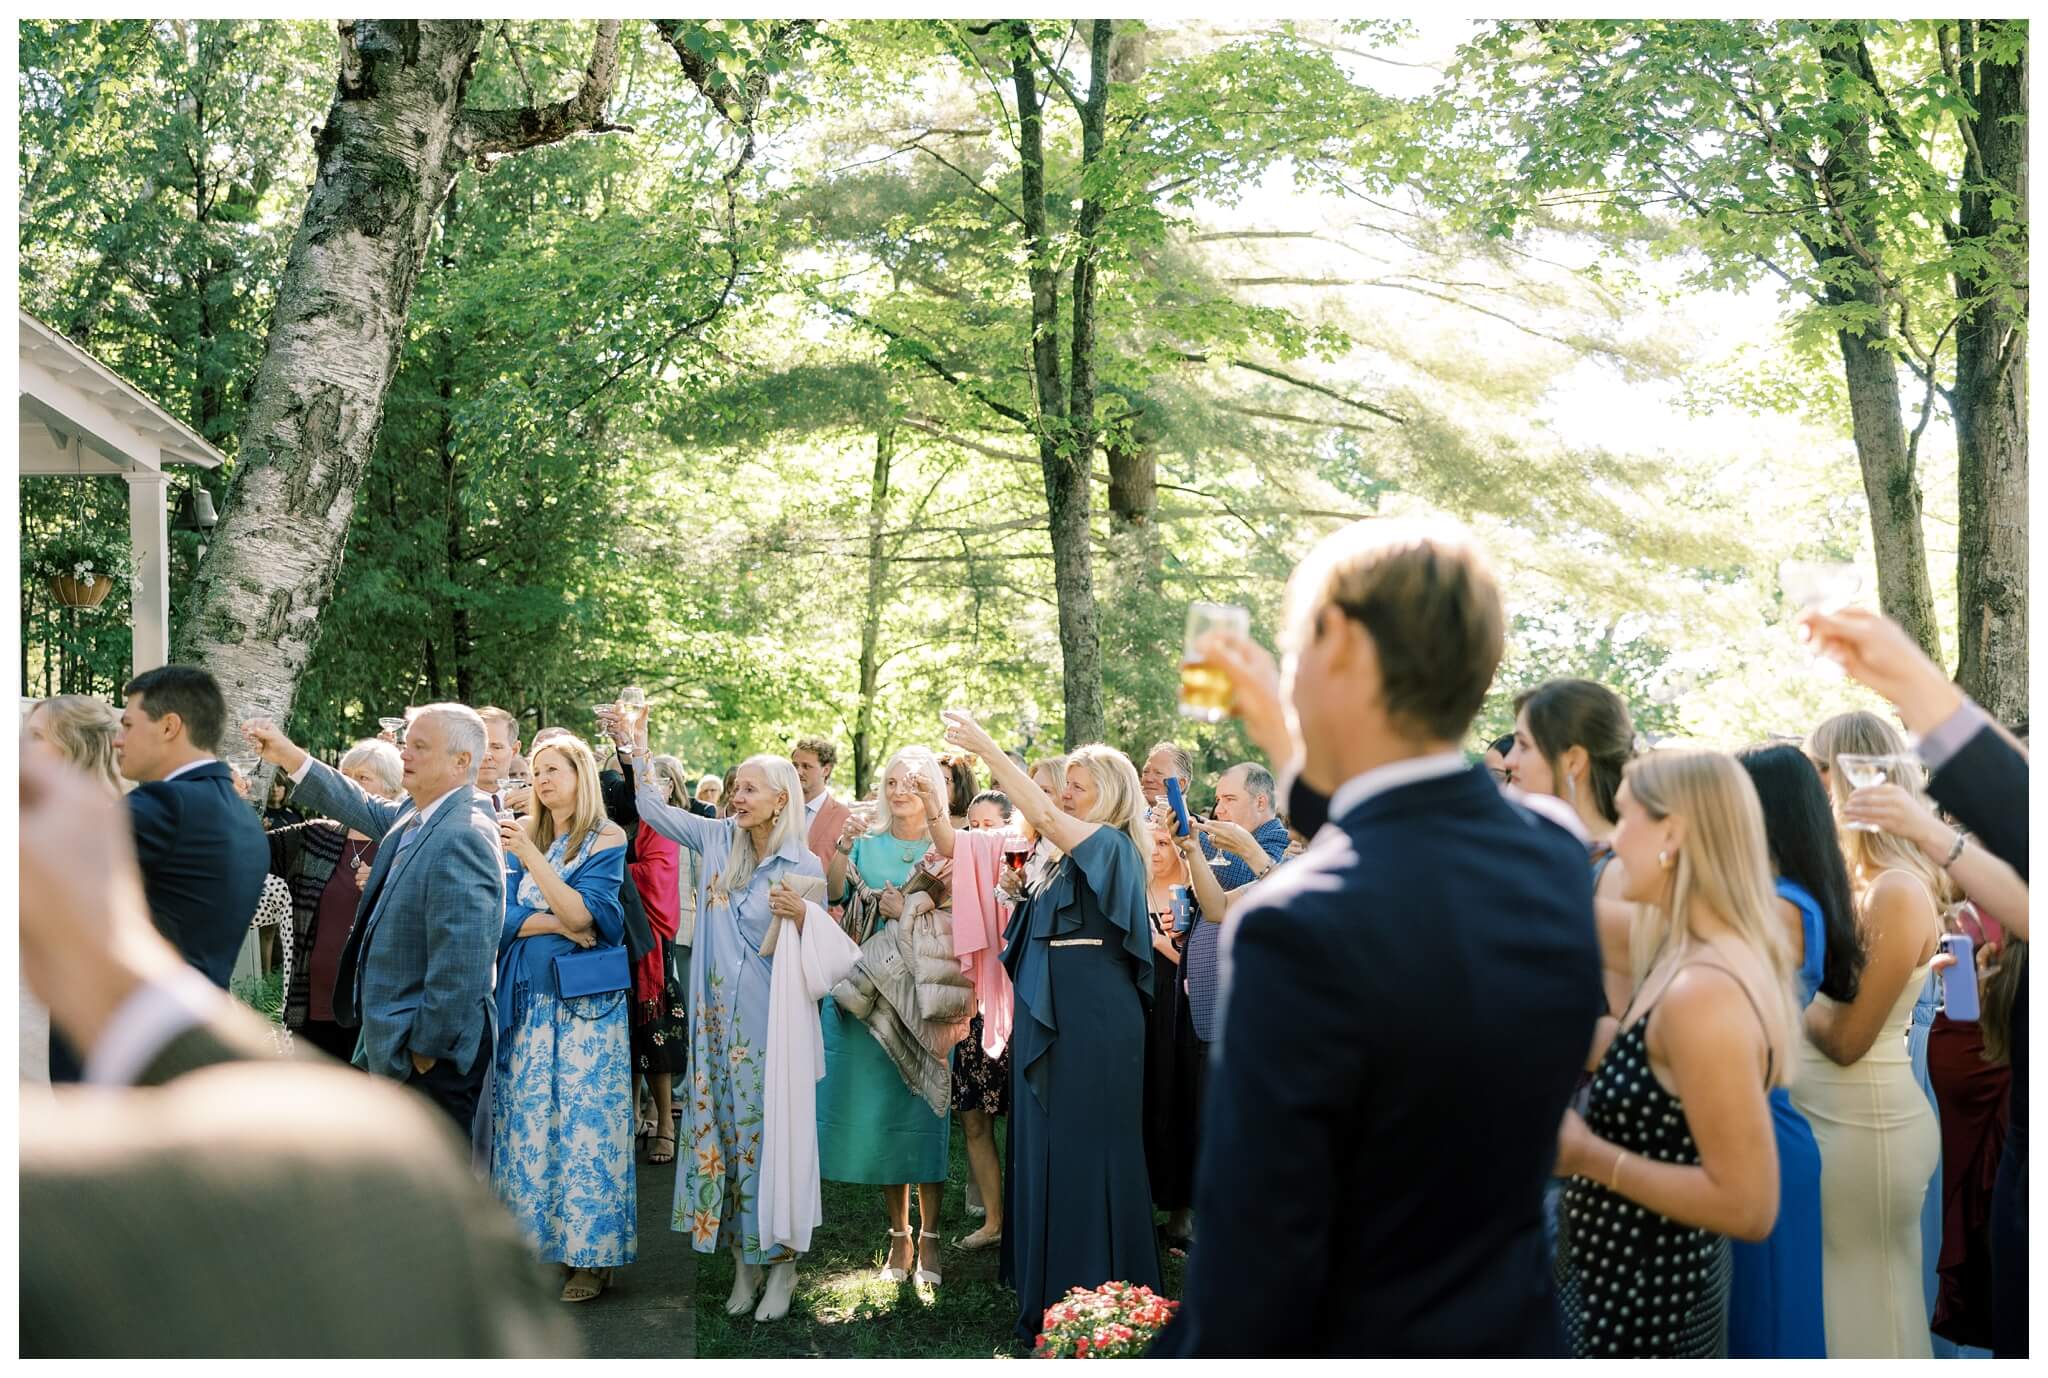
978 932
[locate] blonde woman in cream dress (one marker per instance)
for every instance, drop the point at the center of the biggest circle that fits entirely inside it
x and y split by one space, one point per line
1878 1138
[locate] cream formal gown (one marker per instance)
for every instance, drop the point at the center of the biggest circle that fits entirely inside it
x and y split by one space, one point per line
1879 1145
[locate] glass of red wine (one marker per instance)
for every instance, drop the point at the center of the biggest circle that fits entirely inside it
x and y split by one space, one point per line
1016 851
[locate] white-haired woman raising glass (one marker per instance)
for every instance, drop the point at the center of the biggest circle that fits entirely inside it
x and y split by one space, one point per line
742 861
1082 943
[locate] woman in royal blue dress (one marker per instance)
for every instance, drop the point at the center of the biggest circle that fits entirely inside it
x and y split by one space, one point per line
1080 953
1775 1308
562 1111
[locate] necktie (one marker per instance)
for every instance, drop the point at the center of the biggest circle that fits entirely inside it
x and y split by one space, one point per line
409 832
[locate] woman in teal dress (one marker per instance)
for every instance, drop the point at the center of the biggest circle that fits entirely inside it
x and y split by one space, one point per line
1079 1207
872 1128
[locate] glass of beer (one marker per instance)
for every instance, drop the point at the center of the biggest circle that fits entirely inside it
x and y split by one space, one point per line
1205 692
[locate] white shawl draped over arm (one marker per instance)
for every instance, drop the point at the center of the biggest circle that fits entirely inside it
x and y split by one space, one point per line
805 967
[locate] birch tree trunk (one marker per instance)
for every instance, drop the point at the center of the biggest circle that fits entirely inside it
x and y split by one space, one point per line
395 136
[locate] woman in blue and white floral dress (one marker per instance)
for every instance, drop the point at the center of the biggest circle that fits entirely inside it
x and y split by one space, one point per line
741 859
562 1112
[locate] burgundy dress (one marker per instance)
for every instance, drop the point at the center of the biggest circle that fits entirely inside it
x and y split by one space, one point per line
1973 1097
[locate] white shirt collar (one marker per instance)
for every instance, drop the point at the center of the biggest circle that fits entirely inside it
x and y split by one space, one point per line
190 765
428 811
1393 775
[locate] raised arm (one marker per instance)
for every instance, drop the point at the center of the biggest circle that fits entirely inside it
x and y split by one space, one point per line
677 824
1062 830
342 799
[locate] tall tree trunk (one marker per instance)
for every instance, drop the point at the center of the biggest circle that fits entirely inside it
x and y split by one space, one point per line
1990 396
1890 486
395 136
1851 270
871 621
1066 470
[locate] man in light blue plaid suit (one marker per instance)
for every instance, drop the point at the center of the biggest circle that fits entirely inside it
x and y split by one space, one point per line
420 962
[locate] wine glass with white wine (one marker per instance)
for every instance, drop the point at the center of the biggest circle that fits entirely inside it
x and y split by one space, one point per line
1866 771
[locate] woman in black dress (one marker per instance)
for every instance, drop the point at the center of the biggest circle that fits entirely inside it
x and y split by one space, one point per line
1677 1150
1172 1053
1080 954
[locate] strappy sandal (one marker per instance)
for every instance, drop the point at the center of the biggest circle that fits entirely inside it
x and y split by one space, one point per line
890 1272
925 1277
575 1290
655 1155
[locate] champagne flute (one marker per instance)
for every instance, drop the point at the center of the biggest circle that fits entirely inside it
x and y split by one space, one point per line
1866 771
633 699
1205 692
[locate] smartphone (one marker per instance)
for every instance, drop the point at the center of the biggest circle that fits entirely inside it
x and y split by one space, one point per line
1959 982
1180 805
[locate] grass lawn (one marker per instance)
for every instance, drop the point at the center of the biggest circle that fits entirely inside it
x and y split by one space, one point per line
841 1311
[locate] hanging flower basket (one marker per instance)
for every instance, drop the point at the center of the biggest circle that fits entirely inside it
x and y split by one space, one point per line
88 592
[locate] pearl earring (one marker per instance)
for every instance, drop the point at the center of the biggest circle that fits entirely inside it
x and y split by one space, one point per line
1664 860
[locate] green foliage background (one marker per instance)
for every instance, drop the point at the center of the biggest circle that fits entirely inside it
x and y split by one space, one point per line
1302 322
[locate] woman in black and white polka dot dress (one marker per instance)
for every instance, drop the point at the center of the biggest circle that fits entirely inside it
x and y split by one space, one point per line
1676 1152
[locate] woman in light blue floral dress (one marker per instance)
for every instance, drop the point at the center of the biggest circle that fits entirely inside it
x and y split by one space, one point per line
741 858
562 1117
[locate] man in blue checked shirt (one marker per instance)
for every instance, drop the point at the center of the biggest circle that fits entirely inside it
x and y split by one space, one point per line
1252 839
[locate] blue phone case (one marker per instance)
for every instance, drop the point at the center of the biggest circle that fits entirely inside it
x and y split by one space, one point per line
1959 982
1180 805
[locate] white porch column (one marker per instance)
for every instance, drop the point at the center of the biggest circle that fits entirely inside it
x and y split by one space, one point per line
149 531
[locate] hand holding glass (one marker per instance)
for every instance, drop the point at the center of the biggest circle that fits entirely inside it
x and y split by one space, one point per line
1865 771
1205 692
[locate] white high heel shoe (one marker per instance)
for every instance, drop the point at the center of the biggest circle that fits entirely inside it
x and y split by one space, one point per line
781 1285
891 1273
926 1277
746 1281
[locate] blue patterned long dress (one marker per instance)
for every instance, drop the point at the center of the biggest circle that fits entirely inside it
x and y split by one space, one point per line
562 1107
717 1198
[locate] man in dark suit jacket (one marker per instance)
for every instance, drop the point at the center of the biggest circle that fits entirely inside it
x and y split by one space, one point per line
200 843
1981 778
208 1198
419 964
1407 1005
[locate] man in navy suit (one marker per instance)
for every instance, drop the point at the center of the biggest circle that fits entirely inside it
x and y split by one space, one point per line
1406 1006
200 843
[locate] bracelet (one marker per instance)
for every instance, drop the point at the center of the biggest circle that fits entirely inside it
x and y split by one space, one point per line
1957 850
1614 1177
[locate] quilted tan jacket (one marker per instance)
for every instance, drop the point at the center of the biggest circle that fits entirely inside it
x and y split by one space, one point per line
908 987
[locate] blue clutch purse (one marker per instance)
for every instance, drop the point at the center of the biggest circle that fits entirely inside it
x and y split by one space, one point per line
594 971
